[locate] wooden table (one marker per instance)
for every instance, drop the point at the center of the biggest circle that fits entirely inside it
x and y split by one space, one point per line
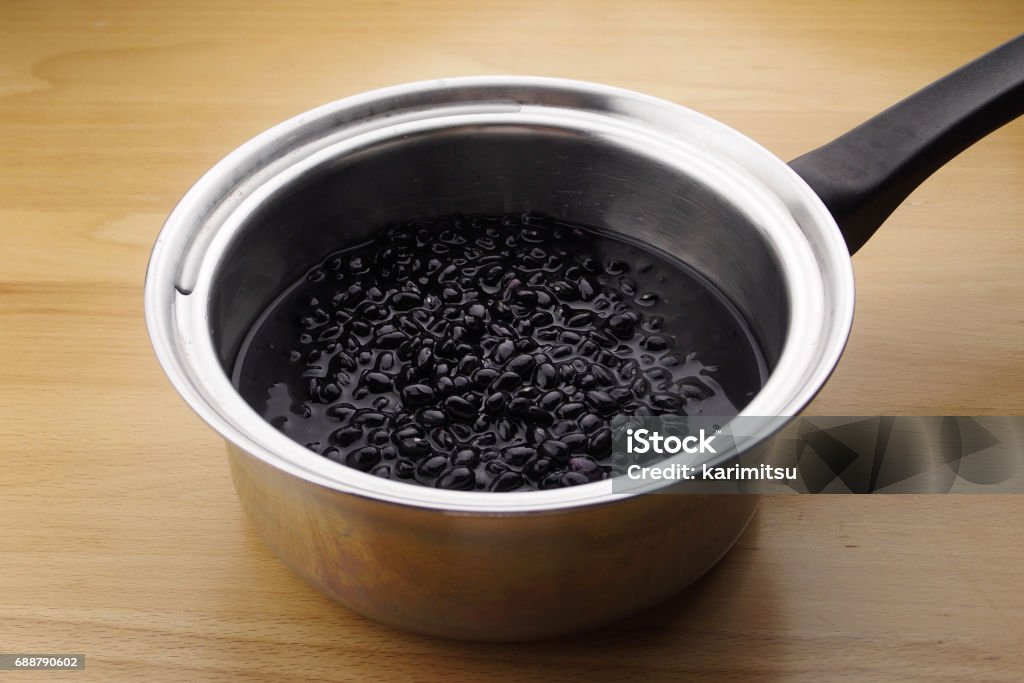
120 534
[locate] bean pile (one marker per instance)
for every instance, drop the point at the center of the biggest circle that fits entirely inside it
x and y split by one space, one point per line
490 353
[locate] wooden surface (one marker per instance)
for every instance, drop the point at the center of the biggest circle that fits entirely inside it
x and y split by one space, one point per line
120 534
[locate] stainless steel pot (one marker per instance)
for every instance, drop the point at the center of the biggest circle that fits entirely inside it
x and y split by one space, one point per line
509 566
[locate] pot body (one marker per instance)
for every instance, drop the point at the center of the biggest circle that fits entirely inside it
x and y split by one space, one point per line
483 565
489 577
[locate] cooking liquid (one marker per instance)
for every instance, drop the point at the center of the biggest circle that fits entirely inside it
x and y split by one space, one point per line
490 353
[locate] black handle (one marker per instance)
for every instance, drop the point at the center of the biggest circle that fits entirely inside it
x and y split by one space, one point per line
865 174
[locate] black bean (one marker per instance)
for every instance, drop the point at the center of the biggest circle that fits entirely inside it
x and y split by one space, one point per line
425 359
341 412
517 455
504 351
484 376
655 342
546 376
445 385
551 400
363 458
414 447
457 479
506 381
561 351
581 319
459 408
553 480
569 337
600 445
570 411
378 437
507 481
346 436
622 326
522 365
417 395
466 457
432 418
671 360
553 449
576 441
370 418
519 406
404 469
601 402
432 467
537 468
666 402
496 402
586 466
591 422
411 431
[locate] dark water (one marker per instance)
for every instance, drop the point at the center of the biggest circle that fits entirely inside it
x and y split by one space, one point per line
487 353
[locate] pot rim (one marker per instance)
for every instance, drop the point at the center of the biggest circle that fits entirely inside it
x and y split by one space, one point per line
797 226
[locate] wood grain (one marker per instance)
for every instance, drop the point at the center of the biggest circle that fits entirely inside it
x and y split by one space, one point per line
121 536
